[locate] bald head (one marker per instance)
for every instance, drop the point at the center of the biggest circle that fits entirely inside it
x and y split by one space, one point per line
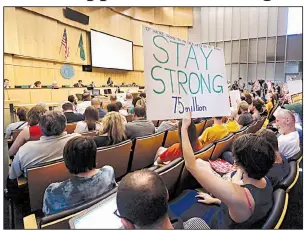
129 96
96 103
142 199
285 121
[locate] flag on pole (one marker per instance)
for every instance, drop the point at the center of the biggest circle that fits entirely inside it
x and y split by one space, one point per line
64 43
80 45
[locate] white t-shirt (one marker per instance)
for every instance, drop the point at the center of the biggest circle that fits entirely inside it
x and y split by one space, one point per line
289 144
82 106
82 127
14 126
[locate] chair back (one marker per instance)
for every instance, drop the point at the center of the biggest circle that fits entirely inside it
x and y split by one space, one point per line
240 132
129 118
116 156
41 176
278 211
70 128
200 127
289 181
171 137
205 153
252 128
170 174
91 133
156 123
209 123
222 146
61 220
144 151
15 133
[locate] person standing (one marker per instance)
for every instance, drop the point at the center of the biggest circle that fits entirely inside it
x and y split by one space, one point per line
110 82
6 83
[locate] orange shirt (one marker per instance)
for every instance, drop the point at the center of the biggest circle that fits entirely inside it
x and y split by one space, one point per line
174 152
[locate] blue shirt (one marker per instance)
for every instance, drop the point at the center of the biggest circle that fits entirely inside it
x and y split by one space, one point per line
75 191
102 113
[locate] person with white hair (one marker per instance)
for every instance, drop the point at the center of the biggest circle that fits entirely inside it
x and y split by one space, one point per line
232 124
288 141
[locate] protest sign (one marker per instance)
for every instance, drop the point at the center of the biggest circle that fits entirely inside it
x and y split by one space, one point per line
297 98
295 87
183 77
234 96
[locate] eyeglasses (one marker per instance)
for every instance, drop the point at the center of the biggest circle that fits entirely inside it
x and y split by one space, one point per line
116 213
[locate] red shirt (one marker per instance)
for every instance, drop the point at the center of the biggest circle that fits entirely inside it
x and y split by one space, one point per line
174 152
35 132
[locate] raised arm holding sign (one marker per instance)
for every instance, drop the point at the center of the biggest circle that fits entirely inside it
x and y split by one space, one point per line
183 77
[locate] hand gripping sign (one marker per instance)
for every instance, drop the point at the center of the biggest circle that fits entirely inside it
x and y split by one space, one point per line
183 77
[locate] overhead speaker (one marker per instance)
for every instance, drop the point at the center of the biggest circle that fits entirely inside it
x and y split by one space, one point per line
87 68
76 16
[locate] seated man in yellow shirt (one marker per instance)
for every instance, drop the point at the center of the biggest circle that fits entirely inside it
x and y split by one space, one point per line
216 132
232 124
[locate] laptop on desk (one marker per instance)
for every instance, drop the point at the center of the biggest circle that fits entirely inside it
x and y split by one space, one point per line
99 216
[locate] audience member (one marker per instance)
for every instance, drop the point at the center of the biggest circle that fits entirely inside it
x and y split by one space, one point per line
71 116
98 104
249 202
113 99
127 104
248 98
288 141
121 111
232 124
167 125
21 124
140 126
37 84
54 85
142 204
79 84
142 100
216 132
175 151
135 100
112 130
86 183
86 97
6 83
257 109
73 100
90 122
48 148
31 132
270 102
112 107
245 117
281 167
109 82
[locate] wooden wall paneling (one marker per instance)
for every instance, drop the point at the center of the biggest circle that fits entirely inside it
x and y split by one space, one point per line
41 95
128 11
144 13
163 28
179 32
9 74
164 15
8 59
59 95
10 31
136 30
183 16
124 26
21 94
138 58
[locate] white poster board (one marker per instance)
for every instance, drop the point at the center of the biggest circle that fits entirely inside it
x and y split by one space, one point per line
183 77
234 96
295 87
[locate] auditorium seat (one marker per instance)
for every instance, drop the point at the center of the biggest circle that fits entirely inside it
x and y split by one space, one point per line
205 153
70 128
129 118
41 176
240 132
252 128
156 123
222 146
171 137
61 220
209 123
200 127
144 151
170 174
15 133
292 178
116 156
278 211
297 156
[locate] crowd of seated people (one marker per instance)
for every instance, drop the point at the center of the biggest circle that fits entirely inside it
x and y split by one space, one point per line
250 184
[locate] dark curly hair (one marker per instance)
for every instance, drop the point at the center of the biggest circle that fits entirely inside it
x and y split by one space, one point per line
254 154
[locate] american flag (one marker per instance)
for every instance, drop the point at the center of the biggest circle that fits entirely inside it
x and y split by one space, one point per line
64 43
